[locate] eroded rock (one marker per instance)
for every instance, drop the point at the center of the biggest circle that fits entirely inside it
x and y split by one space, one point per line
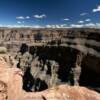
11 83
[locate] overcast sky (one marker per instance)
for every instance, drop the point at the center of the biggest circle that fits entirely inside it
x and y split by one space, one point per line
50 13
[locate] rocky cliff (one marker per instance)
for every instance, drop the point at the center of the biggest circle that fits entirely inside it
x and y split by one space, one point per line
11 88
52 57
70 67
85 40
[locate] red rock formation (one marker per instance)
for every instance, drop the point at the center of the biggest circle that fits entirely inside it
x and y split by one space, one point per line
11 88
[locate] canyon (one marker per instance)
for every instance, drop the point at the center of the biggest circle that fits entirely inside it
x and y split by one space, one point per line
68 59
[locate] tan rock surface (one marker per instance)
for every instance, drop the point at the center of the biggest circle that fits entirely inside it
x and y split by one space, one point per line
11 88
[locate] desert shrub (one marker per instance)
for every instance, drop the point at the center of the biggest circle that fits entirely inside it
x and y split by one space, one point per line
3 50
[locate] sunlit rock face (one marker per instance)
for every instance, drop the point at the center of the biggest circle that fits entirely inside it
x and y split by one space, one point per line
3 91
85 40
54 62
11 89
61 46
10 81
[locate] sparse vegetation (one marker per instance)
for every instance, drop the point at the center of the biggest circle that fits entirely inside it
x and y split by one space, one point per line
3 50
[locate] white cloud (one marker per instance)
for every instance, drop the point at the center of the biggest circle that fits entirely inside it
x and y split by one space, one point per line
56 26
90 25
97 9
81 22
52 26
97 25
37 26
48 26
20 17
27 17
88 20
22 26
19 22
66 19
76 25
83 14
40 16
1 25
63 25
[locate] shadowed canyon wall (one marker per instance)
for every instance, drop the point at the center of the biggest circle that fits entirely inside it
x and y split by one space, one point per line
54 53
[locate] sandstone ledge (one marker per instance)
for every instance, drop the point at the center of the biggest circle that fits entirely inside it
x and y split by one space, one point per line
11 88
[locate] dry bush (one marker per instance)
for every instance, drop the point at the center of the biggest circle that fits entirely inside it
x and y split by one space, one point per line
3 50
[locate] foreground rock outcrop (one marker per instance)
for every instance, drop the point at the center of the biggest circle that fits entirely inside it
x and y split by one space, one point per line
67 65
11 88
